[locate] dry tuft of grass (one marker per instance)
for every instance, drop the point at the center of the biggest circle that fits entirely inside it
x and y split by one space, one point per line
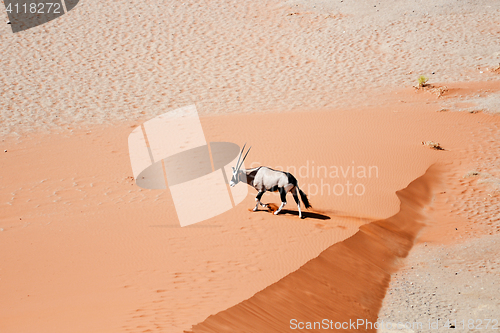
423 85
438 91
432 145
475 111
496 69
472 173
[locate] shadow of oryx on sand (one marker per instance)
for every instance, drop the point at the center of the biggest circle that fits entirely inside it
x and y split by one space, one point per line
317 214
271 208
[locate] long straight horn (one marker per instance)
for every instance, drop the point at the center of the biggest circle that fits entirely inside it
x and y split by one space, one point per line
243 160
239 156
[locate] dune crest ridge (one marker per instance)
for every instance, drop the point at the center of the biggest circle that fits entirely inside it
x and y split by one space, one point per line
345 282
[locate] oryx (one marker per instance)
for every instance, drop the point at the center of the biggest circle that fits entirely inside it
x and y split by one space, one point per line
266 179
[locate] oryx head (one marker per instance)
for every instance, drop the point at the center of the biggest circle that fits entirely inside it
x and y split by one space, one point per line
236 171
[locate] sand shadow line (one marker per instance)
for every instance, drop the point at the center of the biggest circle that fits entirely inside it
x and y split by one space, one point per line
188 226
305 214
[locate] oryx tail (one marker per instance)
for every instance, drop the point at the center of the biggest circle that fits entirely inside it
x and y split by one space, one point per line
304 198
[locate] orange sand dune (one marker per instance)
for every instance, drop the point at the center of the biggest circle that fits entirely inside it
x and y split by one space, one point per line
310 85
89 251
344 284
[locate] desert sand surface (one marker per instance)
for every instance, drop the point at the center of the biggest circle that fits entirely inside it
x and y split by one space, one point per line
452 215
311 85
115 60
93 252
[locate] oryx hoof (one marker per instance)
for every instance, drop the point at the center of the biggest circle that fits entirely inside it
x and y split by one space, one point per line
276 212
255 209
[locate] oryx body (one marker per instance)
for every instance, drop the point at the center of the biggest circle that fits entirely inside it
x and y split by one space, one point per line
265 179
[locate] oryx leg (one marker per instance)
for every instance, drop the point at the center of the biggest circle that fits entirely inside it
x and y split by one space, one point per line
283 192
295 194
257 201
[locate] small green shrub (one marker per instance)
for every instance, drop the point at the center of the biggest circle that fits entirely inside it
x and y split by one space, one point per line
422 80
